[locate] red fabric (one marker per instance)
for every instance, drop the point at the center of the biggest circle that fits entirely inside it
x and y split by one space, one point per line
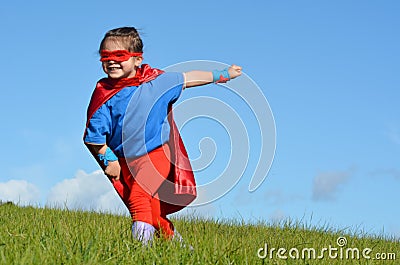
135 186
222 79
117 55
180 190
108 87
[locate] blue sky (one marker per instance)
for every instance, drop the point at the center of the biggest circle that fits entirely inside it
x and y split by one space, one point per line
329 70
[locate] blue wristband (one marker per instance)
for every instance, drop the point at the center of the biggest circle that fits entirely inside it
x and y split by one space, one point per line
221 76
108 156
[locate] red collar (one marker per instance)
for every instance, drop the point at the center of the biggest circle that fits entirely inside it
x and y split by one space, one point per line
108 87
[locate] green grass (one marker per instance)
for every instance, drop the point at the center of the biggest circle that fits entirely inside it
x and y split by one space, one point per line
49 236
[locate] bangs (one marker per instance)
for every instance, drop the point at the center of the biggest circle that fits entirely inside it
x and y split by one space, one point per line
118 41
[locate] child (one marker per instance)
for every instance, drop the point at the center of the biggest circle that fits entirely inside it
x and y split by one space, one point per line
138 145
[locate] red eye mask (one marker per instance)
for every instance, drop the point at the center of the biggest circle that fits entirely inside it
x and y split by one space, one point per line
117 55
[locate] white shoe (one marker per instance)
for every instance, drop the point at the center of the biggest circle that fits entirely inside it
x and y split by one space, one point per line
143 232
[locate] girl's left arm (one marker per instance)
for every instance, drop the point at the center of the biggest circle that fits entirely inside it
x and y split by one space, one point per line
199 78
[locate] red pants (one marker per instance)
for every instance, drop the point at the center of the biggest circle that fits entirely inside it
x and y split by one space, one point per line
139 181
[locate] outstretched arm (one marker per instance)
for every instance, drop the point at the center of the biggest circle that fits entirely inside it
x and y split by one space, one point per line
199 78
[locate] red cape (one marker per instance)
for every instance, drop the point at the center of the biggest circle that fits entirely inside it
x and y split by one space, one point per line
180 190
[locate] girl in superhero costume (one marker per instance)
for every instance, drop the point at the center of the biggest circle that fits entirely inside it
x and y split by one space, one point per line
131 133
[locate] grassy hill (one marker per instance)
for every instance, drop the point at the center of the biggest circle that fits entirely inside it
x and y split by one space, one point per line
48 236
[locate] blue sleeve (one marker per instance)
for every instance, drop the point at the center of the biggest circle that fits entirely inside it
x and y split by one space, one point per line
99 126
172 84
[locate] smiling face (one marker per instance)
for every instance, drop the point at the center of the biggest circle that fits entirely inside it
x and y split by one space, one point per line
117 69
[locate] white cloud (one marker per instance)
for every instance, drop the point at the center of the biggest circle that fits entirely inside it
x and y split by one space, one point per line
327 184
20 192
87 192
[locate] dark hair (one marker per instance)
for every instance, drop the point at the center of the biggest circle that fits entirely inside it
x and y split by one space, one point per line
127 36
